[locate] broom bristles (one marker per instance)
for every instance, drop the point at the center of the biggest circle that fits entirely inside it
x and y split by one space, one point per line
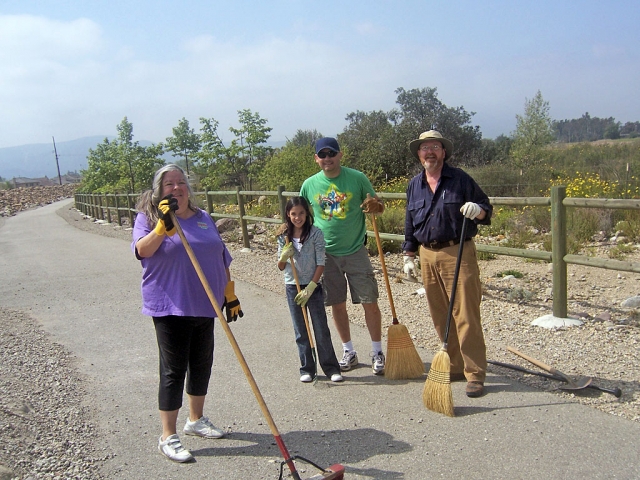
437 395
403 361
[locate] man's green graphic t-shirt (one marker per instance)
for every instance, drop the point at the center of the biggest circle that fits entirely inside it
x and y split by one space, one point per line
336 208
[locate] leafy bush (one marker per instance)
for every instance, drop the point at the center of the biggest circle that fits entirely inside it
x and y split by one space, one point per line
520 295
515 273
390 221
620 251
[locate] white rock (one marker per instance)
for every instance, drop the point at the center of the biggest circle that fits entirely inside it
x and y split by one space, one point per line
549 321
631 302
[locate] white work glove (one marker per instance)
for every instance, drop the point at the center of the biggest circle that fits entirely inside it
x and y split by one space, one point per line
470 210
286 253
303 297
409 267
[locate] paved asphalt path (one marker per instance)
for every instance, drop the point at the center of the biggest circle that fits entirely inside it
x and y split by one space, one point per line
84 290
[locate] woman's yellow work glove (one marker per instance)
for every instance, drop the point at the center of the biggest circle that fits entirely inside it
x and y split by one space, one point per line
232 303
165 225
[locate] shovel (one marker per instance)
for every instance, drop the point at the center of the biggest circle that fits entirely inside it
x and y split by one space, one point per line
615 391
579 384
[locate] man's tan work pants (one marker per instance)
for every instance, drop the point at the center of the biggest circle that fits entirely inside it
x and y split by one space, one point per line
466 345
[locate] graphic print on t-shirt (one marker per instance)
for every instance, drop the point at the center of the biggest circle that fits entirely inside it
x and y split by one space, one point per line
333 203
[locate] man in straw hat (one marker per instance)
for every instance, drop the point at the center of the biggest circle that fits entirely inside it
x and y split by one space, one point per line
438 199
339 197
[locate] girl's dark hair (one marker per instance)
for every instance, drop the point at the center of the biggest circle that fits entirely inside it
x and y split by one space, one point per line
306 228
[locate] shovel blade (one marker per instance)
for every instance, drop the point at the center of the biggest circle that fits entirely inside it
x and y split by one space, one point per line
579 384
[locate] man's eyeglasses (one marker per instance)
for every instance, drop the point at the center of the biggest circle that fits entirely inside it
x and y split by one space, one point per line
329 154
433 148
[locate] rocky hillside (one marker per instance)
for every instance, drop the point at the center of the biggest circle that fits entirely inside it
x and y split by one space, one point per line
16 200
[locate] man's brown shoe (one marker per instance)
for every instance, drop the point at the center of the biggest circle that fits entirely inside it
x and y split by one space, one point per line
475 389
457 377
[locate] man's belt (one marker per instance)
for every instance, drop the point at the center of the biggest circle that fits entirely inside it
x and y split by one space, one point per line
440 245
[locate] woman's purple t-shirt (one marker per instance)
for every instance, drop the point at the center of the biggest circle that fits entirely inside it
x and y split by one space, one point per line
170 284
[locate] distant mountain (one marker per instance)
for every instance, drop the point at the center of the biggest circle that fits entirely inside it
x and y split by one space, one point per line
38 160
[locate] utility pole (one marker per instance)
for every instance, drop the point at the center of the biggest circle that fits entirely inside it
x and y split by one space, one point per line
57 164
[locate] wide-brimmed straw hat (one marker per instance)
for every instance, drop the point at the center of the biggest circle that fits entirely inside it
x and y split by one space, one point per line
431 135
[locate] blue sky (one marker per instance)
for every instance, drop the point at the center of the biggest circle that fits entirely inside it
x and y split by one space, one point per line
72 69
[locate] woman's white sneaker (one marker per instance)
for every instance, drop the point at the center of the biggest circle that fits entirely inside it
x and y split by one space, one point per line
202 428
172 448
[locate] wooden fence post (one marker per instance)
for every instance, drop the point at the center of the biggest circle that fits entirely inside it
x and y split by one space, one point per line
559 250
209 202
107 205
282 201
243 222
130 206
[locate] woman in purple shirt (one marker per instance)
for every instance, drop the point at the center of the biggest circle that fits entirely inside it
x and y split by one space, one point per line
174 297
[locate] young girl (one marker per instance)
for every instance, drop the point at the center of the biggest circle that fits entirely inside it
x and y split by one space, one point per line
304 243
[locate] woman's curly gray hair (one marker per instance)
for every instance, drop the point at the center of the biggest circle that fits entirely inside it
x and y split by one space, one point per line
149 200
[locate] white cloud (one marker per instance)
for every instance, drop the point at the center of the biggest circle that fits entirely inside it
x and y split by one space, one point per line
27 37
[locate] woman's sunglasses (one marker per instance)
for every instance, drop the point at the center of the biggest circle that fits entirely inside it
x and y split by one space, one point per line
330 154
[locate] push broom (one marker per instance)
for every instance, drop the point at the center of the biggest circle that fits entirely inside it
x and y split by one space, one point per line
437 395
306 319
335 472
402 357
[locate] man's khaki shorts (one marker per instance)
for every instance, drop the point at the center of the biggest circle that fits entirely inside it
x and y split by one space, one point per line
354 270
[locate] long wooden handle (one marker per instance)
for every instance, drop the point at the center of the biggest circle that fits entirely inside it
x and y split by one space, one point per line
304 309
538 363
384 269
234 345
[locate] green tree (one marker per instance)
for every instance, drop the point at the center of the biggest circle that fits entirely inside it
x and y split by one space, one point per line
378 141
534 131
102 173
239 163
121 165
422 110
304 138
495 151
185 142
612 131
289 166
369 140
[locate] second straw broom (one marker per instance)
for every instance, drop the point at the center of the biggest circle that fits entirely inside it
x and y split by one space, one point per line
403 360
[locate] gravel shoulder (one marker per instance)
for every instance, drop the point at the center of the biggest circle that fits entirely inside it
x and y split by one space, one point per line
605 347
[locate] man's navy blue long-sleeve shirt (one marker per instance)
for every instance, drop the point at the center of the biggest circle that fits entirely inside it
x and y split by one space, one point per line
436 217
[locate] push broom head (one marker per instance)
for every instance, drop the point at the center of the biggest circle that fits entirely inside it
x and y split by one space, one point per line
437 395
403 361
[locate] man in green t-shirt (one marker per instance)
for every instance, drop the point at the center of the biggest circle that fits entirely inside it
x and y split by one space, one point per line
340 197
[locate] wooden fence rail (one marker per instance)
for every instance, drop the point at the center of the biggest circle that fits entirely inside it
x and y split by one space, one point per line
103 206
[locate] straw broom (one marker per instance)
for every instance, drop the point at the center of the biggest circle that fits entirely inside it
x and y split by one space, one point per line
437 395
403 361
